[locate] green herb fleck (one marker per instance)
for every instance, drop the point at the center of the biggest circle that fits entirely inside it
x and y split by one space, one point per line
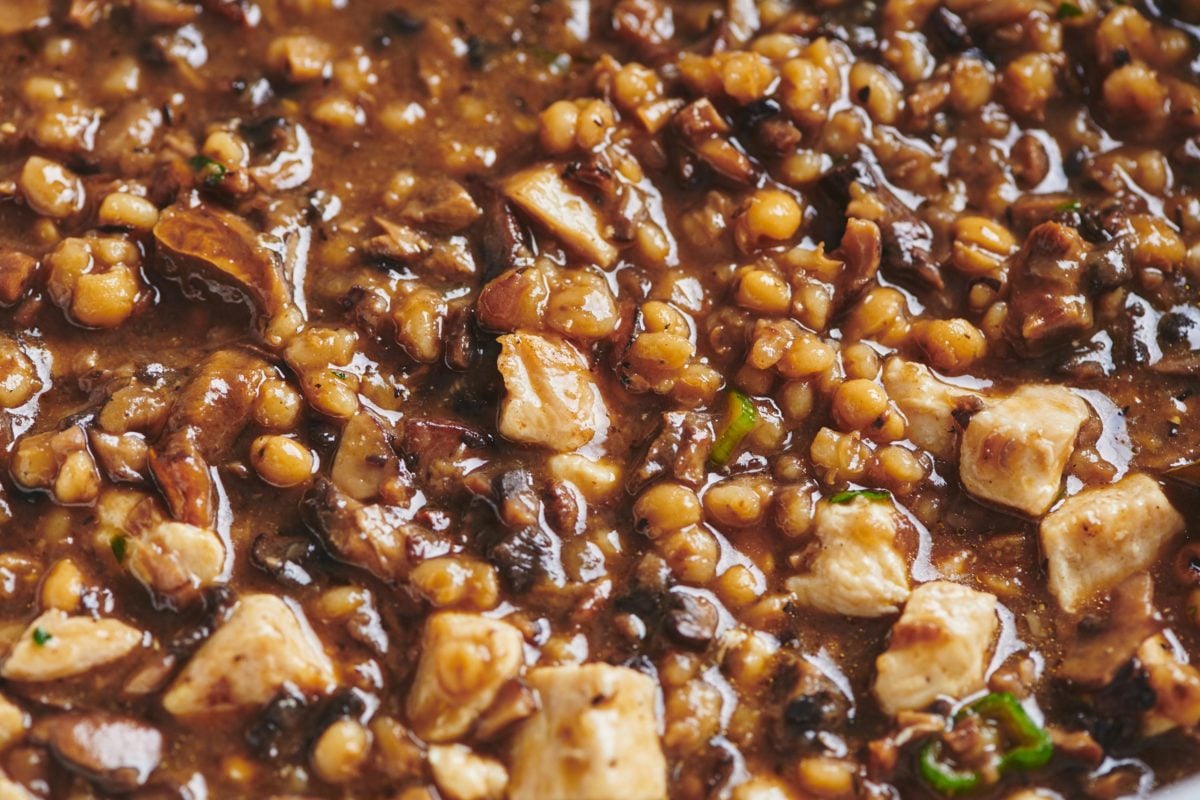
874 495
120 546
1067 206
557 63
337 373
41 636
1069 11
213 172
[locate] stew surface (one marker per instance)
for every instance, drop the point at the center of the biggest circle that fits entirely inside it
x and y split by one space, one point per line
583 400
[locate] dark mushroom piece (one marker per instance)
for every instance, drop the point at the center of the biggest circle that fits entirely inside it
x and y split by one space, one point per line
212 250
118 753
376 537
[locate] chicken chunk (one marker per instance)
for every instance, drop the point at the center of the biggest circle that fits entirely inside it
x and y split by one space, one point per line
857 569
463 775
1176 688
175 561
1014 452
263 646
551 398
594 738
57 646
11 790
365 460
465 660
14 722
1101 536
542 193
929 405
938 648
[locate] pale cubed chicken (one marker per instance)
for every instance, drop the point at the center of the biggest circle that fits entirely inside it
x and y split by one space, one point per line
928 405
595 737
463 775
465 660
542 193
550 397
57 646
263 646
1101 536
1176 687
11 790
938 648
175 560
1014 451
13 722
858 569
365 459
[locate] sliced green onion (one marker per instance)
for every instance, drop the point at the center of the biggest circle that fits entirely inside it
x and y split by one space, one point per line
740 419
120 546
212 171
874 495
1069 11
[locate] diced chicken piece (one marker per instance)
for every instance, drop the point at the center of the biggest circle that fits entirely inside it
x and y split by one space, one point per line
594 738
1014 452
57 646
263 646
551 398
465 660
11 790
24 15
938 648
929 405
1101 536
1176 688
175 560
13 723
858 569
365 459
542 193
463 775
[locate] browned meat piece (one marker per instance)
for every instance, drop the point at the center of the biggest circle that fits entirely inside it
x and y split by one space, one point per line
543 194
680 450
398 243
1095 657
118 753
644 24
440 205
182 475
207 248
907 240
378 538
1047 300
16 273
706 134
211 411
219 397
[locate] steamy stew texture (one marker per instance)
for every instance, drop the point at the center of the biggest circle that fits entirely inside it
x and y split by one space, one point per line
599 399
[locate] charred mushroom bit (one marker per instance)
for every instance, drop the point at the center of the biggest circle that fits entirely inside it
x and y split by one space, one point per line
599 399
